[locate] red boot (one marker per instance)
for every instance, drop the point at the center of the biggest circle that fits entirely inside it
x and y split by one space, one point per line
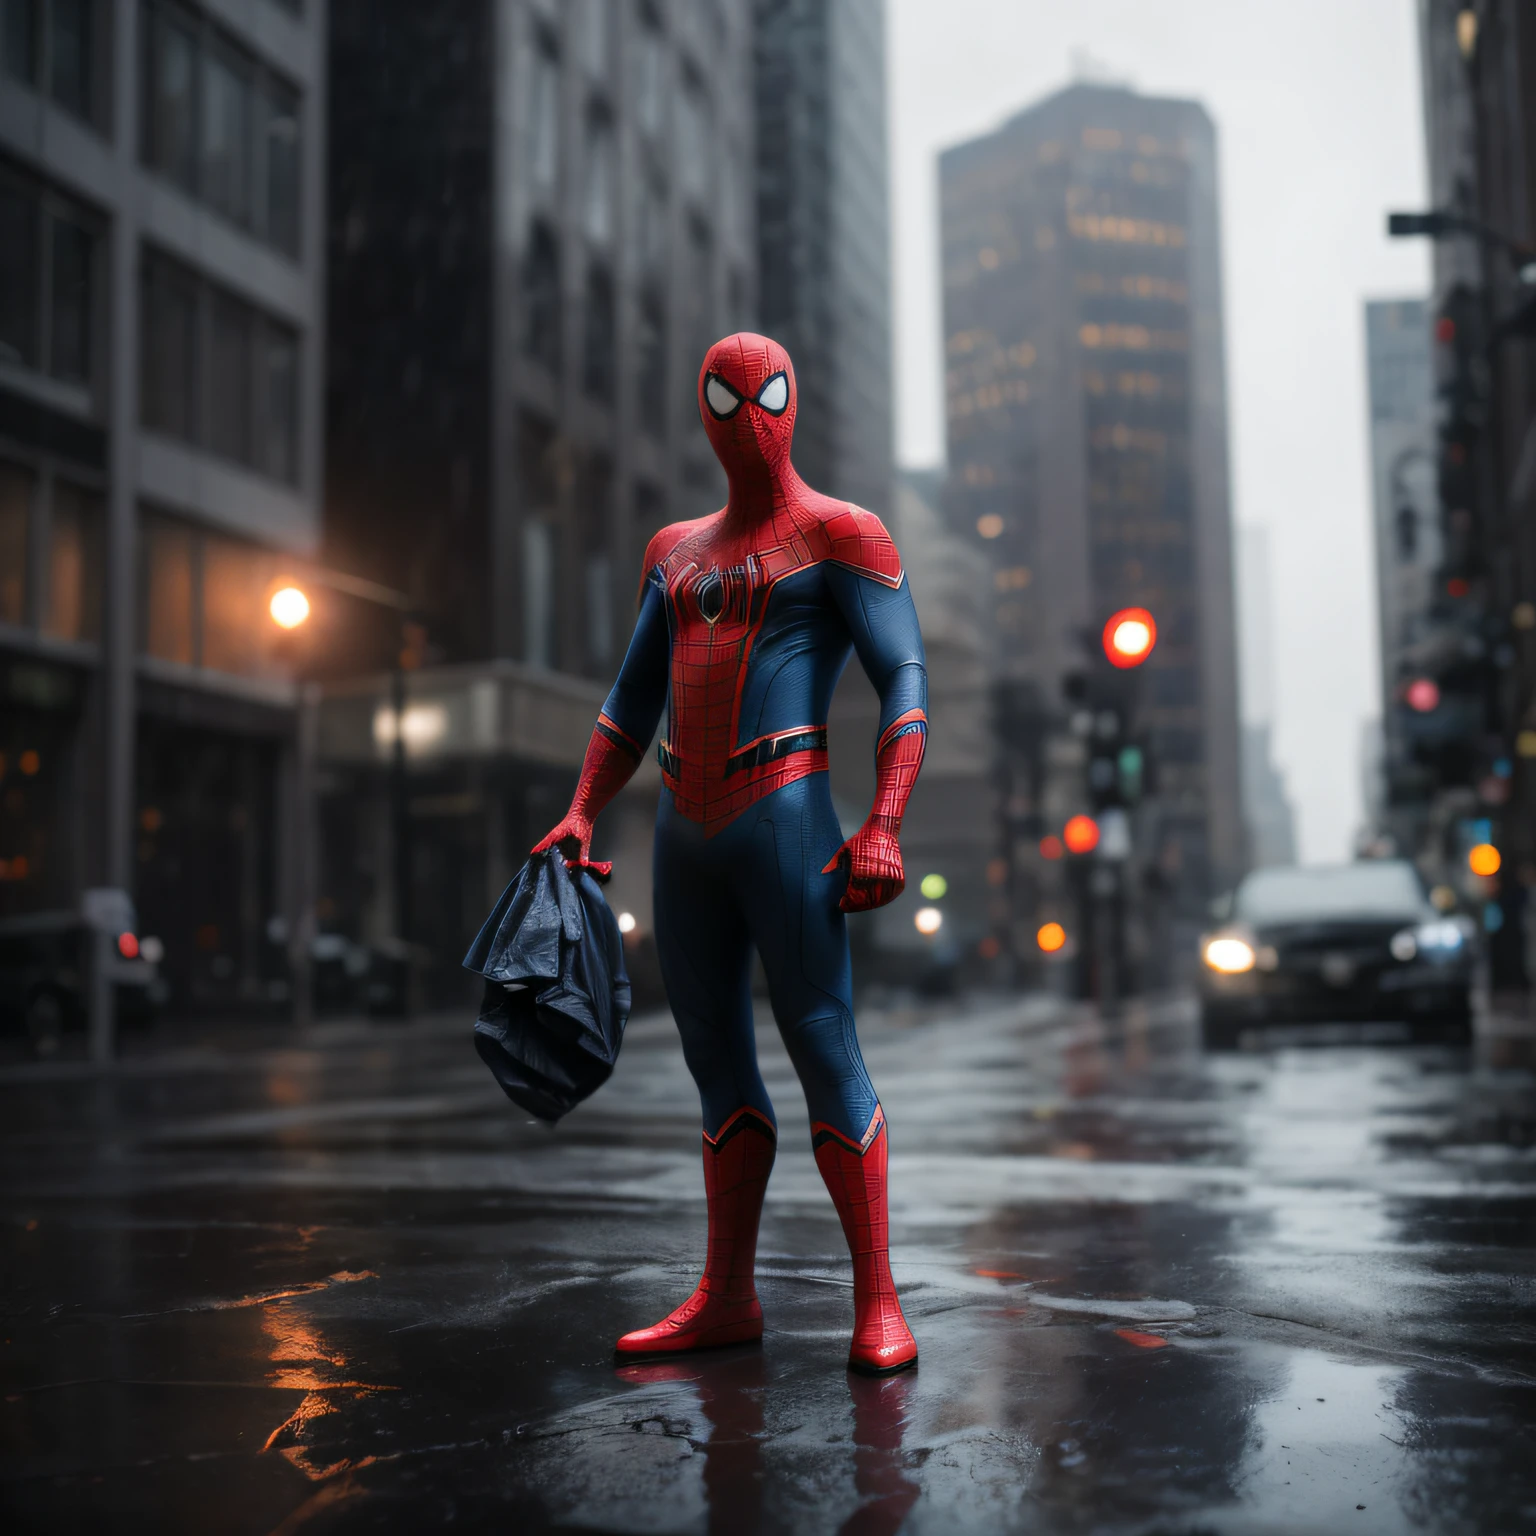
724 1308
855 1176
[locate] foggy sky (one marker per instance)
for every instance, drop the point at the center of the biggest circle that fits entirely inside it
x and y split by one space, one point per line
1318 114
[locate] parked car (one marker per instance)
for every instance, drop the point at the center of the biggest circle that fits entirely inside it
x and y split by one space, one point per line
1350 942
45 977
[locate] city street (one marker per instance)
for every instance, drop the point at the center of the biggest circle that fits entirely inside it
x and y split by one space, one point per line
342 1285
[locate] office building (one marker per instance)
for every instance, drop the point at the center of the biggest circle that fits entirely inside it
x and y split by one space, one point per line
161 252
1405 522
1478 748
1087 439
541 216
1269 822
823 233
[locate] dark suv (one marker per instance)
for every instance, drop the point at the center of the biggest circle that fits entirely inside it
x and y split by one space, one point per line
1343 943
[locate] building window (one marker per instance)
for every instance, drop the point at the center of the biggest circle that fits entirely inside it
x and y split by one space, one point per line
194 331
543 126
650 72
49 259
595 495
72 56
651 363
693 141
538 596
169 586
221 125
59 42
541 297
597 37
17 488
699 289
651 217
204 598
72 608
597 193
597 344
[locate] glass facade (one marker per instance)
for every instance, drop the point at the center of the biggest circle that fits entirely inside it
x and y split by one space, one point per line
216 372
221 125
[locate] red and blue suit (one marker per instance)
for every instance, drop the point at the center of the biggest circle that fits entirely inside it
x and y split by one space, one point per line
747 618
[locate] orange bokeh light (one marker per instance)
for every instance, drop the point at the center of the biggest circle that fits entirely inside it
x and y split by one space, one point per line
1051 937
1129 637
1081 834
1484 859
1050 847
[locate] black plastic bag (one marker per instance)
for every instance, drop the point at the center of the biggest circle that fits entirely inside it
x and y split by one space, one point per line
556 991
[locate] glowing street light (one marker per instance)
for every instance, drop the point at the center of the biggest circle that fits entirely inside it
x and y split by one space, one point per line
1129 637
289 607
928 920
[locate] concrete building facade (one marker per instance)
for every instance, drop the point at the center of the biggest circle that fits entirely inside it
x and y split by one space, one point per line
1086 419
161 259
823 233
1405 522
541 217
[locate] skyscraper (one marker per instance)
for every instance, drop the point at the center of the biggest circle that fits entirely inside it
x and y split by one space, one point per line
1086 410
1406 524
161 260
823 225
1268 820
540 219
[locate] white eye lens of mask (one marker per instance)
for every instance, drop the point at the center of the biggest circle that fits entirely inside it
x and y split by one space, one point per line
721 399
774 395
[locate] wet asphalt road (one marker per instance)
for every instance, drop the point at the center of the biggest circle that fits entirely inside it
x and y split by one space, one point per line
343 1286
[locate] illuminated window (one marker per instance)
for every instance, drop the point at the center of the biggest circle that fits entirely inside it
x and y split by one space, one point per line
73 606
17 487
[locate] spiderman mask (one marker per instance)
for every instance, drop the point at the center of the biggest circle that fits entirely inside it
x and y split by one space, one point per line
747 404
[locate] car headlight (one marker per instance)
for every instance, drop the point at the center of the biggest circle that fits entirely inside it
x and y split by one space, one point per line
1434 941
1229 956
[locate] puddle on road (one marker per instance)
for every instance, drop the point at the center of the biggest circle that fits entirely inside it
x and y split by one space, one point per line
1323 1444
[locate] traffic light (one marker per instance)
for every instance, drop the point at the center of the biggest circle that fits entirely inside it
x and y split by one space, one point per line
1129 636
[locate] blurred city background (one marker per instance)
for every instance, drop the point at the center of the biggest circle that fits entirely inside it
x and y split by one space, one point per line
348 353
347 358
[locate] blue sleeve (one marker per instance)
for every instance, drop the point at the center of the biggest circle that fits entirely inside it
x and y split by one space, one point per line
889 644
640 694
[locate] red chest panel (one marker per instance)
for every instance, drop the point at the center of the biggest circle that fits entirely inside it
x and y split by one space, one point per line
718 581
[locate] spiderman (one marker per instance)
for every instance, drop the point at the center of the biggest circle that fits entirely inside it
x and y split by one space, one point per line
746 621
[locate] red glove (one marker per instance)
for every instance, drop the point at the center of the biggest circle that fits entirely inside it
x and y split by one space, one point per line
611 758
872 856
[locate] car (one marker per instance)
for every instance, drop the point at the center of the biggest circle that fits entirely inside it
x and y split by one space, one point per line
44 971
1342 943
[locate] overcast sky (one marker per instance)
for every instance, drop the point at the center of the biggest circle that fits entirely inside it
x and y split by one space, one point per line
1318 117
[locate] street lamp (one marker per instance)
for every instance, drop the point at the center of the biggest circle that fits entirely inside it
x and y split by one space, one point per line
289 608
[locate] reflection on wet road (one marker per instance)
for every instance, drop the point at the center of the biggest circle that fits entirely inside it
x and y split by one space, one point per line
343 1286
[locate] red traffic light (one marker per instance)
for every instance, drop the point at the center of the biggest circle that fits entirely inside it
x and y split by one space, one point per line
1129 637
1081 834
1422 695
